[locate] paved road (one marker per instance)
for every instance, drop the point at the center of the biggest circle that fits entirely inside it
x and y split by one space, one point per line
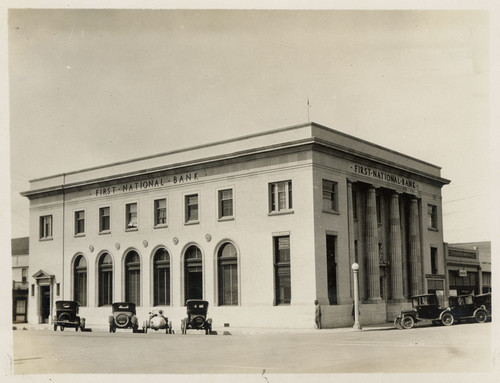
458 348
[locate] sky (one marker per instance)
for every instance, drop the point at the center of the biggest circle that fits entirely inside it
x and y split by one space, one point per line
92 87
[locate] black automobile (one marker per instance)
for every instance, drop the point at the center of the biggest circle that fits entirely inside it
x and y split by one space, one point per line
196 319
426 307
67 316
484 300
123 317
469 307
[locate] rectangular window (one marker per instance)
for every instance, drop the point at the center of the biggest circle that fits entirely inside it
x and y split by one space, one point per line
24 275
280 196
46 227
58 289
191 208
379 210
79 222
282 278
330 196
160 212
434 260
225 203
104 219
131 216
355 204
32 290
432 216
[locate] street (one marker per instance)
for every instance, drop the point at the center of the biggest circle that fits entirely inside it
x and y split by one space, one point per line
455 349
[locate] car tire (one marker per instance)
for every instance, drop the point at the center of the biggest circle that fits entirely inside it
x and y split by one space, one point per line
111 328
480 316
76 328
447 319
55 327
62 328
407 322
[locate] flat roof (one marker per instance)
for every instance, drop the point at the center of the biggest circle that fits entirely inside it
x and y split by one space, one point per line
231 148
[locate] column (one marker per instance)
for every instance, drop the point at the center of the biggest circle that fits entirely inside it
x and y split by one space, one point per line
372 246
415 254
396 256
351 226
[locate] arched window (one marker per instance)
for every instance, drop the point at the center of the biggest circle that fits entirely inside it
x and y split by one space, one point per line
193 273
105 280
133 278
161 278
227 264
80 280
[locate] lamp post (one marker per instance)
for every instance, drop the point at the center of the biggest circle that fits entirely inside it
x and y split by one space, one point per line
357 325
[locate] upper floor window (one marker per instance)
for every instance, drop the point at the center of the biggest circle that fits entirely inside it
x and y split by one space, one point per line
280 196
131 215
24 274
355 204
330 196
104 219
46 227
434 260
191 208
160 213
225 203
79 222
432 216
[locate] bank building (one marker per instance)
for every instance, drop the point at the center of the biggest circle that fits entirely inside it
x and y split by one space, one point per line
259 226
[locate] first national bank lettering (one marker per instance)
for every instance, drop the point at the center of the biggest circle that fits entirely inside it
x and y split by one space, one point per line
146 184
378 174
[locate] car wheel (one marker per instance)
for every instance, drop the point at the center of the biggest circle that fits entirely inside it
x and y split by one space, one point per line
76 328
407 322
62 328
55 327
111 328
447 319
480 316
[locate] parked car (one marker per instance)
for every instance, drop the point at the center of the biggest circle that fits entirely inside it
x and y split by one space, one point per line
123 317
67 316
484 300
157 321
196 317
425 308
468 307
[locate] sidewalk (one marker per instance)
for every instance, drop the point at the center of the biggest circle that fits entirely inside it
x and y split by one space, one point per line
223 330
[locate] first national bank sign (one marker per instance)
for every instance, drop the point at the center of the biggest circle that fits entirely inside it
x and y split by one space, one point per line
145 184
383 176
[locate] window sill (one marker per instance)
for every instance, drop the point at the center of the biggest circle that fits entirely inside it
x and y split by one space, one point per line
104 232
432 229
222 219
79 235
129 229
282 212
46 239
160 226
189 223
328 211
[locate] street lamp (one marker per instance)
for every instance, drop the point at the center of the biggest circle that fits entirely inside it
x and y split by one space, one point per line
357 325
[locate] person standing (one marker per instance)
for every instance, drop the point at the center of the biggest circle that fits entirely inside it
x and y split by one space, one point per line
317 314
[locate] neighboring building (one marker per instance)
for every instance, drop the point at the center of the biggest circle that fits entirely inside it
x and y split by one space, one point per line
260 226
20 264
468 267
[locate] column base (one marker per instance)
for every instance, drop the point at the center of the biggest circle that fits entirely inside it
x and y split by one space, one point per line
373 300
357 327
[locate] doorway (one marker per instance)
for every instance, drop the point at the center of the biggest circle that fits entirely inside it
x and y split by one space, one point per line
331 268
44 304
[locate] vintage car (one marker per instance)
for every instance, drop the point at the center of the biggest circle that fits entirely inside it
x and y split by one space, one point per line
196 317
157 321
485 301
123 317
425 308
468 307
67 316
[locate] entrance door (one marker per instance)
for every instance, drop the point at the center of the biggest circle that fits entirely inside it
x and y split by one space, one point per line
193 273
331 268
44 304
194 283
